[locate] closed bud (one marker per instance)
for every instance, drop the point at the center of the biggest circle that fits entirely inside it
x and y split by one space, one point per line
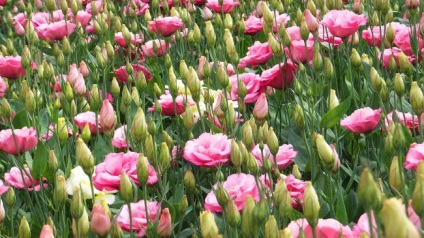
328 68
271 228
66 46
317 61
189 181
26 56
53 164
140 82
252 165
282 198
115 89
86 133
395 179
193 83
296 173
418 195
368 192
261 212
268 16
188 117
60 194
139 126
183 71
208 226
77 206
304 30
395 220
416 98
126 34
311 206
222 196
355 59
404 64
228 21
116 231
30 101
272 141
164 156
5 108
125 188
260 110
24 230
299 118
332 100
223 76
142 170
247 137
150 149
376 80
83 225
51 224
84 157
274 45
233 214
248 225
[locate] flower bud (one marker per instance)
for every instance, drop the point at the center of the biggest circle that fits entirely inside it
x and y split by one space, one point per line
208 226
100 221
53 164
139 126
210 34
60 194
2 212
272 141
5 108
268 16
30 101
328 68
304 30
142 169
416 98
399 85
86 133
183 71
235 156
369 195
164 157
396 222
395 179
252 165
418 195
84 157
77 206
299 117
150 149
193 83
326 153
125 188
271 228
233 214
260 110
295 172
24 230
282 198
189 181
247 137
83 225
261 212
222 196
332 100
248 225
404 64
274 45
188 117
376 80
311 206
355 59
10 197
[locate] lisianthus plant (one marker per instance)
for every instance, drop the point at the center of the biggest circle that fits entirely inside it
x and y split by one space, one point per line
211 118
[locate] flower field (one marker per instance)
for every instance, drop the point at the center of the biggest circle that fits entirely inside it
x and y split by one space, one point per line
212 118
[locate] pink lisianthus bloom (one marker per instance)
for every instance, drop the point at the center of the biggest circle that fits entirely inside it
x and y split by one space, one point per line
414 156
18 141
325 228
405 118
140 7
388 53
343 23
362 120
52 129
14 179
88 118
3 87
165 26
55 31
107 174
295 187
122 74
325 36
257 54
149 48
253 87
226 7
135 39
238 187
11 67
285 156
139 216
403 40
208 151
279 76
253 25
119 139
167 104
297 50
375 35
107 115
280 19
3 187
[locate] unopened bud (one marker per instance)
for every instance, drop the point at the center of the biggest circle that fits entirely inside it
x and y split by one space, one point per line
125 188
311 206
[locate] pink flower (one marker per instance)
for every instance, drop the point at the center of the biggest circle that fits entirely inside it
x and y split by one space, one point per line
139 216
3 87
280 19
100 221
311 21
298 51
257 54
18 141
83 17
165 26
79 86
140 7
47 232
260 110
343 23
362 120
208 13
295 187
3 187
388 53
253 25
108 118
135 39
107 173
19 29
227 5
230 67
285 156
260 155
238 187
167 104
403 40
165 224
52 129
98 4
149 48
88 118
14 179
55 30
324 35
11 67
122 74
374 35
208 150
253 88
279 76
405 118
326 228
414 156
73 74
119 139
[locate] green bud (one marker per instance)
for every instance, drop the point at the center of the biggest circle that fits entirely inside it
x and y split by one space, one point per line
311 206
125 188
24 230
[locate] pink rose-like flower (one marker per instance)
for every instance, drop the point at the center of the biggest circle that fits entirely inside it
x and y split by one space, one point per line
253 25
140 7
285 156
18 141
108 117
208 150
55 31
100 221
295 187
107 173
83 17
253 87
88 118
11 67
139 216
230 67
47 232
165 26
325 228
14 179
388 53
167 104
135 39
149 49
122 74
279 76
3 87
374 35
52 129
405 118
280 19
362 120
3 187
343 23
260 155
298 51
403 41
414 156
227 5
325 36
257 54
119 139
238 187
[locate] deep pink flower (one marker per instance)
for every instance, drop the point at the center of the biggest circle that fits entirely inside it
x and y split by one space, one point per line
253 25
139 216
253 87
326 228
119 139
279 76
167 104
135 39
403 40
140 7
165 26
14 179
107 174
362 120
298 51
227 5
238 187
149 48
405 118
208 150
257 54
414 156
375 35
11 67
343 23
324 35
122 74
3 87
394 51
88 118
55 30
18 141
295 187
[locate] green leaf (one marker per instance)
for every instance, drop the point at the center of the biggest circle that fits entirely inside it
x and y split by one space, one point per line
21 119
100 150
341 214
332 117
40 161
